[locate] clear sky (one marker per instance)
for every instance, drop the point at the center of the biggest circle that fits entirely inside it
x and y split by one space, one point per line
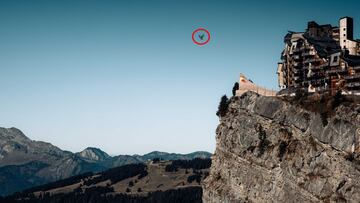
125 75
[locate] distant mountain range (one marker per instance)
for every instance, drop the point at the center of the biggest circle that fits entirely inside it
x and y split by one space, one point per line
26 163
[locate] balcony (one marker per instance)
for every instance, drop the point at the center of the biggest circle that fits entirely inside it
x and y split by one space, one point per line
335 71
298 79
304 48
296 64
296 57
312 60
296 50
298 67
357 75
317 82
353 84
309 53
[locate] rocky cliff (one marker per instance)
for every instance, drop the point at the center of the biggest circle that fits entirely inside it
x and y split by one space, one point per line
272 150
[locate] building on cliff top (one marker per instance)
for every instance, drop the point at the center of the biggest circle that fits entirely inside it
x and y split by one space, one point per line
321 59
248 85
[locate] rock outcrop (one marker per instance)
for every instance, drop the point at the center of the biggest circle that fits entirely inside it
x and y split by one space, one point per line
271 150
16 149
94 154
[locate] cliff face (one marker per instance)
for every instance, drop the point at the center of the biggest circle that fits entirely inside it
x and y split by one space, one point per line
269 150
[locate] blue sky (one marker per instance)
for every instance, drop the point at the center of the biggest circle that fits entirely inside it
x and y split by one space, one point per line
125 76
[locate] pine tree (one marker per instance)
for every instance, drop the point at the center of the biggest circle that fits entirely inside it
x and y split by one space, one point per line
223 106
236 87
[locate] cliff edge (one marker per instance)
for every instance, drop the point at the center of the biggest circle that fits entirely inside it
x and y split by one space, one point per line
272 150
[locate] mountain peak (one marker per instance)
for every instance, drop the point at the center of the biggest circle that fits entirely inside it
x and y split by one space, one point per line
94 154
156 153
12 133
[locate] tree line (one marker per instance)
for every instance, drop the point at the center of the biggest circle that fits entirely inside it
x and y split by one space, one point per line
102 195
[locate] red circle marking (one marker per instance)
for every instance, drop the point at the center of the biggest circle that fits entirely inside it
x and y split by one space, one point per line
200 43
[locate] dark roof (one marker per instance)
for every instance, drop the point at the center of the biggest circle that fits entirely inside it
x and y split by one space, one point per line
287 37
313 24
352 60
324 46
346 17
326 25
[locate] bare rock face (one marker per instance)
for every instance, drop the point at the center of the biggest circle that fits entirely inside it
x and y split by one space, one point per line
17 149
94 154
269 150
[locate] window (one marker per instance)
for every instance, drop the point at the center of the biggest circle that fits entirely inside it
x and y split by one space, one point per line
344 29
344 35
344 40
335 59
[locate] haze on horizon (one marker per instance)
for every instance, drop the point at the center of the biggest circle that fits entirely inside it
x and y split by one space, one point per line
124 76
